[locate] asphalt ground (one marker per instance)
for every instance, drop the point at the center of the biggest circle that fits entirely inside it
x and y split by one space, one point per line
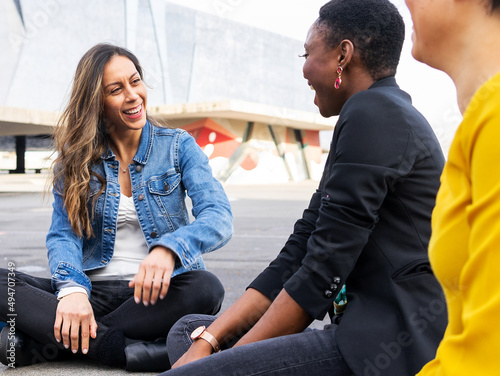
263 218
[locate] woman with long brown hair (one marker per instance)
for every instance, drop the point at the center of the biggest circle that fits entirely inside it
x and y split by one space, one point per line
125 260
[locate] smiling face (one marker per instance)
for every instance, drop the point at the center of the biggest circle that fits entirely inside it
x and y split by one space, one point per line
320 71
125 96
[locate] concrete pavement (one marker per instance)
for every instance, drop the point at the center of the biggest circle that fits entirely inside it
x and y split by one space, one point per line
263 218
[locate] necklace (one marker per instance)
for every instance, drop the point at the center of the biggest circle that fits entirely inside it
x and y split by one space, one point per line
123 170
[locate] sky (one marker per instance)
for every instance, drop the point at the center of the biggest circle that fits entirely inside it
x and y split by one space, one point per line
432 91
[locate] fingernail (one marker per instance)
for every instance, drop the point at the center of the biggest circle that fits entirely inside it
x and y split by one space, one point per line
85 351
153 302
145 303
137 300
162 297
74 351
66 346
58 340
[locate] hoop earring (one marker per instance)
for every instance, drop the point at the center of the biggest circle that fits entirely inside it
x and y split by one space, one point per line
338 81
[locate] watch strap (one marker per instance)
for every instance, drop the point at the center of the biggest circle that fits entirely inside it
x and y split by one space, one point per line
211 340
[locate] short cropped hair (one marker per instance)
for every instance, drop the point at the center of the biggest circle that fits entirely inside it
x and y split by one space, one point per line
375 28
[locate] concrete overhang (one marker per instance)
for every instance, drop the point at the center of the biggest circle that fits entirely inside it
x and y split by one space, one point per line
21 121
247 111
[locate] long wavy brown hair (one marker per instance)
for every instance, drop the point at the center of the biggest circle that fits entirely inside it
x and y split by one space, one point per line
80 136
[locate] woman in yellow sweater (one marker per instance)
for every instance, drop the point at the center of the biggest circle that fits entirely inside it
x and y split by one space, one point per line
462 39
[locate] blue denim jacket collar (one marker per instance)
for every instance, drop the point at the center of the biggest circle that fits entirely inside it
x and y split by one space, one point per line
145 145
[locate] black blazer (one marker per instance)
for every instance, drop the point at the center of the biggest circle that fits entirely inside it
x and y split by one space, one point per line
368 226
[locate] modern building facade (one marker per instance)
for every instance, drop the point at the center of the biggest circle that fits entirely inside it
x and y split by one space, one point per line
239 90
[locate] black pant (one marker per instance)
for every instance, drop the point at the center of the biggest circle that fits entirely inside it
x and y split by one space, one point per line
114 308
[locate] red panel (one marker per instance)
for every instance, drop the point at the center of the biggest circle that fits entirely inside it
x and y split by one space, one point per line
207 131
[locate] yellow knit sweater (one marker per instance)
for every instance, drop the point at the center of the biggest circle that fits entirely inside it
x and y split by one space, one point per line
465 243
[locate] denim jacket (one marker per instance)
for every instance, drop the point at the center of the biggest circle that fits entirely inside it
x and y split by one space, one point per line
168 163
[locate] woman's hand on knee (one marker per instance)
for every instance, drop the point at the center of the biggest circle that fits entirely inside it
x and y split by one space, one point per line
198 350
153 278
75 319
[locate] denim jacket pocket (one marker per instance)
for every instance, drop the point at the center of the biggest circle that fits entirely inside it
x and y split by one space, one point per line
168 193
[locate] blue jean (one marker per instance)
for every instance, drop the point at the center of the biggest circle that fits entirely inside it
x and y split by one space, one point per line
114 309
312 352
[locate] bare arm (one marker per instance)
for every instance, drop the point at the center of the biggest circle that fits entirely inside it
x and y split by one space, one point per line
237 319
253 310
283 317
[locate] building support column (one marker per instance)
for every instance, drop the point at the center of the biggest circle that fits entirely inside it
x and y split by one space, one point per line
302 151
239 154
280 152
20 154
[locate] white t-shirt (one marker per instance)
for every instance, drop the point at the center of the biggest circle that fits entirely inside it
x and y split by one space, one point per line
130 249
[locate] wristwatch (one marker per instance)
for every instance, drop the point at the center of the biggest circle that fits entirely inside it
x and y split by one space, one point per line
201 332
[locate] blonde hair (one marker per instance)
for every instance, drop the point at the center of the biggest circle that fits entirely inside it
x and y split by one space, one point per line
80 136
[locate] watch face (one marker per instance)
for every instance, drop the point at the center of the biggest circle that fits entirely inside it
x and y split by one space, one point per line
197 332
